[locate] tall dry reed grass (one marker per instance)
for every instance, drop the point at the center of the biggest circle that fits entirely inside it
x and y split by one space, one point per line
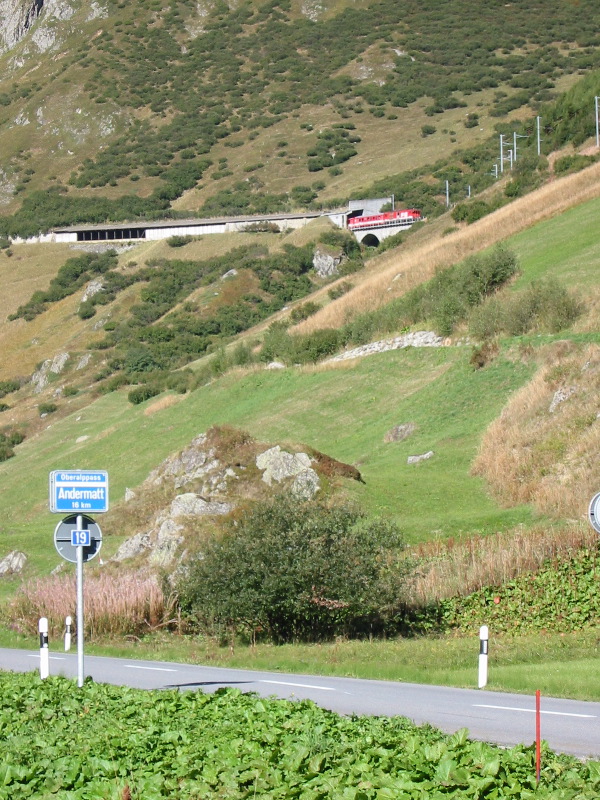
543 448
458 568
115 605
396 272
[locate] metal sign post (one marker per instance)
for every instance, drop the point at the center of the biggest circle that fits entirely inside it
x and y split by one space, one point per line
79 603
78 538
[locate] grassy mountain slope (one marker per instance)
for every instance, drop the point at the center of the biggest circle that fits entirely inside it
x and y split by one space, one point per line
344 410
145 108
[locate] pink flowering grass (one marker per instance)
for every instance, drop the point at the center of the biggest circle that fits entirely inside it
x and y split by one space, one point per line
124 604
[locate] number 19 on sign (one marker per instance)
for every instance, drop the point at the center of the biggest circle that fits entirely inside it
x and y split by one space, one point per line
80 538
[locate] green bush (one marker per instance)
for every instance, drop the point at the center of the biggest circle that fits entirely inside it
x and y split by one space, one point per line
303 311
544 307
47 408
4 407
142 393
7 387
86 310
427 130
296 569
340 289
179 241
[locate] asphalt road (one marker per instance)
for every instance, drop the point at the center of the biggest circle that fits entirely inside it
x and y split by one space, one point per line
569 726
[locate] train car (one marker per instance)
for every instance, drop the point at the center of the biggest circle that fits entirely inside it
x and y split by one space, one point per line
405 216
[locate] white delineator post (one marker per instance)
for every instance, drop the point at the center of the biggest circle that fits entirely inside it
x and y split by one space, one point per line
68 623
79 607
44 651
483 656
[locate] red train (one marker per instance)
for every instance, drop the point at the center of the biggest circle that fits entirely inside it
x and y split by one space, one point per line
404 216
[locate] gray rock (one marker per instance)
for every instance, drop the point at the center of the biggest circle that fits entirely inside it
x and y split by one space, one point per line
306 484
416 339
133 547
231 273
39 378
13 563
326 263
422 457
58 363
275 365
164 547
91 289
84 361
191 505
560 396
400 432
277 464
129 494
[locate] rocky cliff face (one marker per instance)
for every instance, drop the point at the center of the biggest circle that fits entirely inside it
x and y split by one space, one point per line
16 18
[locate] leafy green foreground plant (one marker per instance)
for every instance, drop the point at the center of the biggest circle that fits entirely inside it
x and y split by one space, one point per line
106 743
561 597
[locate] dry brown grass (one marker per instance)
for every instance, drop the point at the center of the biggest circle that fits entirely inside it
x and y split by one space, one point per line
450 568
543 448
397 271
163 402
115 604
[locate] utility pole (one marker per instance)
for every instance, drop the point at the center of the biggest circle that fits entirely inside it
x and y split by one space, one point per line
447 194
539 149
501 152
515 137
597 131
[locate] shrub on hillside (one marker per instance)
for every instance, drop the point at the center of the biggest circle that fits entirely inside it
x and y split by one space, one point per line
7 387
179 241
142 393
303 311
545 307
291 569
8 440
47 408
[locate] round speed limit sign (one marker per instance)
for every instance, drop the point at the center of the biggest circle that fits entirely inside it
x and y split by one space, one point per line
594 512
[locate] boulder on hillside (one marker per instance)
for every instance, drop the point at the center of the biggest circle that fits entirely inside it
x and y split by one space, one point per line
13 563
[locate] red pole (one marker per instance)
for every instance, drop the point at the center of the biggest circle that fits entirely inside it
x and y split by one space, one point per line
538 739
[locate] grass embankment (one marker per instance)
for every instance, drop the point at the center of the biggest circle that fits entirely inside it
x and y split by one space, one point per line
559 665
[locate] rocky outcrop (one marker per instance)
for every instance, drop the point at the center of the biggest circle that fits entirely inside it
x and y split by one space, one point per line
55 365
326 262
278 465
13 563
16 19
93 287
416 339
162 543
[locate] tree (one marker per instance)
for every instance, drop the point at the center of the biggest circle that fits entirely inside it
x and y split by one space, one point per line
295 569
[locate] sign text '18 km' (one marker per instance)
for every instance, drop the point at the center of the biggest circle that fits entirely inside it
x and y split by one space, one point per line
78 491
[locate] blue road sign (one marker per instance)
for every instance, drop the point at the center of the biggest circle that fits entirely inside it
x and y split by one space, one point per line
78 491
80 538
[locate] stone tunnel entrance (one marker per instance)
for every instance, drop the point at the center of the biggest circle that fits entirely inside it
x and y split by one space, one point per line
370 240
